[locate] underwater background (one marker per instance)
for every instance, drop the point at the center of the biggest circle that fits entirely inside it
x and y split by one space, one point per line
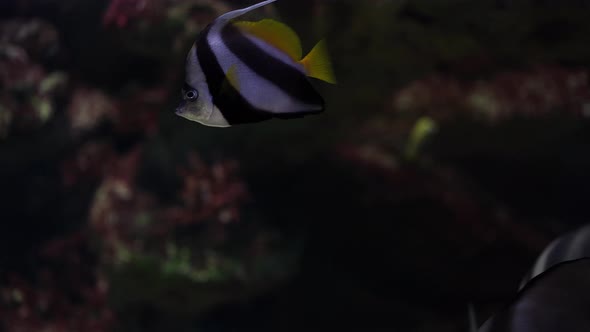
453 149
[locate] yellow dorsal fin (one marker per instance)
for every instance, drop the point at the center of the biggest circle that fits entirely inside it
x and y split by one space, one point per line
276 34
317 63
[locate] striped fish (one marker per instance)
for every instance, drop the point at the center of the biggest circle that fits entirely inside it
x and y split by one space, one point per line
537 310
571 246
555 300
243 72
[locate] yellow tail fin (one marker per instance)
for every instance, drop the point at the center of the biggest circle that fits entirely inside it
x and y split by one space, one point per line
318 65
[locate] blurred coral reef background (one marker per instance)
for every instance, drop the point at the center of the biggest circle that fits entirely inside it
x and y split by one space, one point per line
452 151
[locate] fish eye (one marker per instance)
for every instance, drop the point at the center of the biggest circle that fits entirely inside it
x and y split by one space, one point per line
191 95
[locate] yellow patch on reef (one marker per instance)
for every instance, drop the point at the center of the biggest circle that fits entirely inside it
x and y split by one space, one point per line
276 34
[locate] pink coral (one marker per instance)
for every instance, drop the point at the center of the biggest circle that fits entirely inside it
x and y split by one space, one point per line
71 298
123 12
88 107
122 216
89 163
538 91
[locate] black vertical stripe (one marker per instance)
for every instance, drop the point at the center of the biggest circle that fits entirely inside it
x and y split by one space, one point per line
228 100
285 77
503 324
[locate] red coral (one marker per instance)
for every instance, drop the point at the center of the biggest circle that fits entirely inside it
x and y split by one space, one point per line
28 91
536 92
88 107
207 192
124 215
71 296
481 222
89 163
116 201
39 38
122 12
141 111
17 71
19 78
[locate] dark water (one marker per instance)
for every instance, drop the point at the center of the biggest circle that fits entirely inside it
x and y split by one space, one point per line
118 215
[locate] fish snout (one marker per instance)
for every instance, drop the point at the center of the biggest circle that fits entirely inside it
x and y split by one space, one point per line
180 109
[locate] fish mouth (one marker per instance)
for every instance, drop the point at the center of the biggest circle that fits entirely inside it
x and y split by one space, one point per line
180 107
